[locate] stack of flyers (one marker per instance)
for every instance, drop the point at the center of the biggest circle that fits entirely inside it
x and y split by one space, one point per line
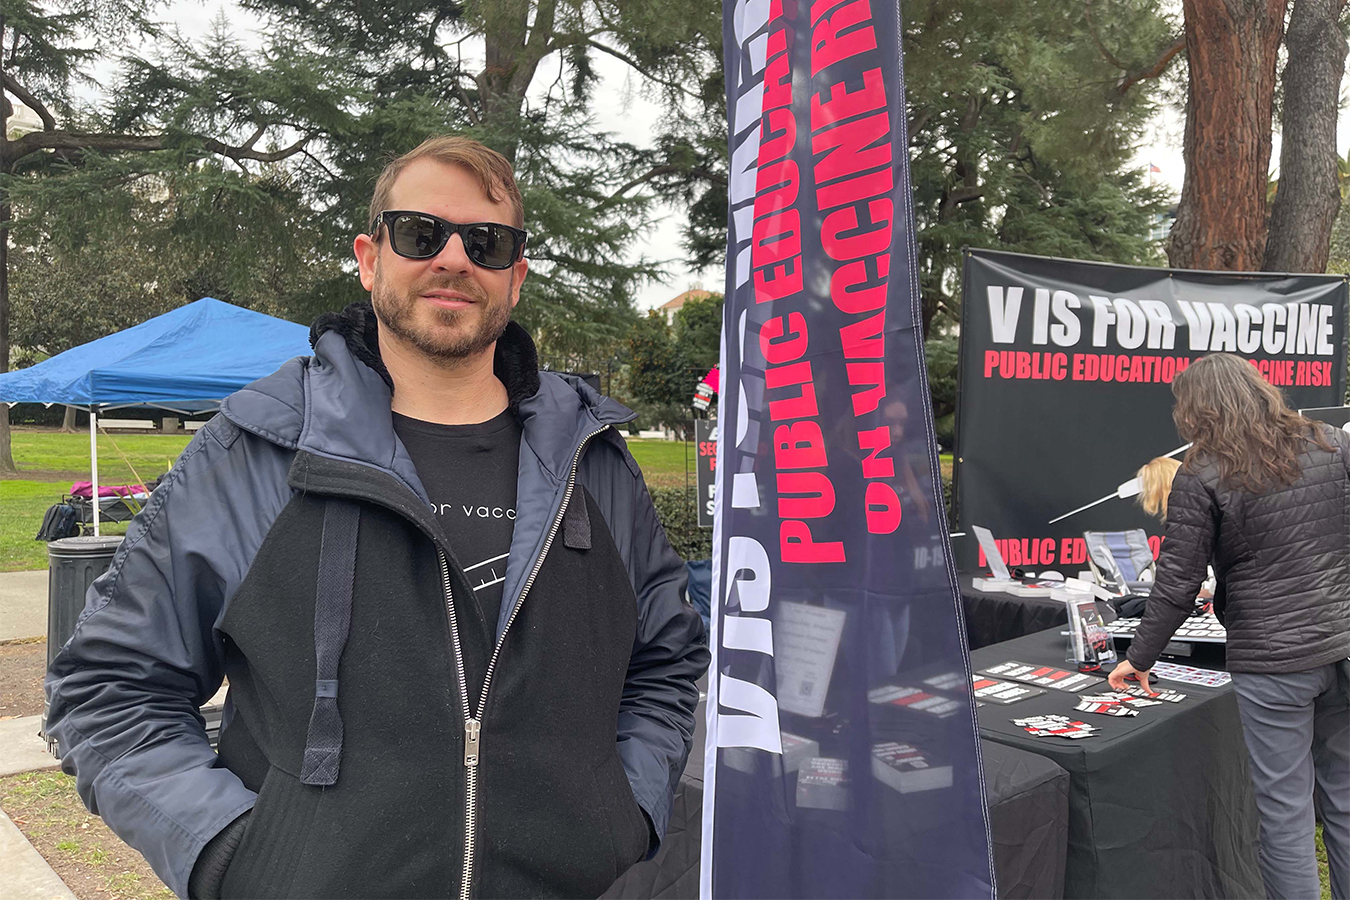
903 768
1114 704
1045 676
1191 675
822 783
1055 726
1160 694
1003 692
913 698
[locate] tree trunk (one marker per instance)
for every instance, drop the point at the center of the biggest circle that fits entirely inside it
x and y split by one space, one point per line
68 423
7 466
513 46
1309 194
1231 49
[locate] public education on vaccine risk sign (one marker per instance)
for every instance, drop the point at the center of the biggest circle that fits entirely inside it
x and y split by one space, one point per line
1065 384
842 755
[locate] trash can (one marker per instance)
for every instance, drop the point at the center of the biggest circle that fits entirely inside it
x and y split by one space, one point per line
72 565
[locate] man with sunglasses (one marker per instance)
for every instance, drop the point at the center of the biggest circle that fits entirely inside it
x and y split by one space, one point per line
459 658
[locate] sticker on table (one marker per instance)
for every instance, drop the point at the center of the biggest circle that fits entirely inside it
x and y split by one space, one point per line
1191 675
1165 695
1055 726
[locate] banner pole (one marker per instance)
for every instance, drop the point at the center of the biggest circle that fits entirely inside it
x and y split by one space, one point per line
93 462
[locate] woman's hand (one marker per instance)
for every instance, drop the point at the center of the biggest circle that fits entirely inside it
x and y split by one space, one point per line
1118 677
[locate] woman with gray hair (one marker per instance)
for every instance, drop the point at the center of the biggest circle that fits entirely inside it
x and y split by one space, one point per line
1265 494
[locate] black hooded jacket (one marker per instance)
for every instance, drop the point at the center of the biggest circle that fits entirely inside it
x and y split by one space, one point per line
588 715
1282 559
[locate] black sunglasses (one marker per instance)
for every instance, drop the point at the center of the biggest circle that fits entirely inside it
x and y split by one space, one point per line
419 235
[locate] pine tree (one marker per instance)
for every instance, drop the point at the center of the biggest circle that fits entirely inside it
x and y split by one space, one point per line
228 107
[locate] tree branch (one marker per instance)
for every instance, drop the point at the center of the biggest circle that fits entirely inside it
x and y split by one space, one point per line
28 100
1096 39
66 140
653 172
1159 66
641 69
1132 76
248 144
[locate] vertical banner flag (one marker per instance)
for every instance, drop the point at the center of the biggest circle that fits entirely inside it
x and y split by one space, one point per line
842 756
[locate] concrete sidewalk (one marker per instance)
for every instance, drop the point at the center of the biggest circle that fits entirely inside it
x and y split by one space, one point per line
23 605
24 874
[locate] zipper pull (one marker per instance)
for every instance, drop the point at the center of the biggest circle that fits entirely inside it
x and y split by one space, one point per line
471 729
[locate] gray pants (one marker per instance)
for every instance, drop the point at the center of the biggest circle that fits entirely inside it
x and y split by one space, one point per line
1297 728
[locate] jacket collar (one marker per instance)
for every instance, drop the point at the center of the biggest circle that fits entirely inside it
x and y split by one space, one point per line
336 404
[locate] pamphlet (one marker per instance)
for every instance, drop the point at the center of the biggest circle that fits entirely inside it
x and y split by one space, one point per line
806 642
1090 644
992 555
1001 692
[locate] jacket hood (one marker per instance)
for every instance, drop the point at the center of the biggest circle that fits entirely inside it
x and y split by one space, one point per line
336 403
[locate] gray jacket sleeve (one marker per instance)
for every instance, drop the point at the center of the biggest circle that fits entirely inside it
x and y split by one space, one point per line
1192 531
125 690
670 652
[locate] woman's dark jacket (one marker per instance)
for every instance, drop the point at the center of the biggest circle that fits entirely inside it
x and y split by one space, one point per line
1282 559
590 713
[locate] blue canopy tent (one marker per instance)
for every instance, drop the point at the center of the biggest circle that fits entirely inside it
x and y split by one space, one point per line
185 361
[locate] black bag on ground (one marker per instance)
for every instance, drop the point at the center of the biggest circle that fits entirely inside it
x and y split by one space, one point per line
61 521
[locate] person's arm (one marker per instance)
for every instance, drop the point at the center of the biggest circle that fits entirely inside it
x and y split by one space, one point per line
124 692
670 654
1192 529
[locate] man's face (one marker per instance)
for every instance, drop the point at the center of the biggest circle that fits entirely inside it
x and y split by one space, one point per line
446 307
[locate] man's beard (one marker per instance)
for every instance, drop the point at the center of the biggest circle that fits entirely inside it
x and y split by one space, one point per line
447 340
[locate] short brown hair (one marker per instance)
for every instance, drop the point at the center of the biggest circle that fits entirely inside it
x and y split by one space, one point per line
491 169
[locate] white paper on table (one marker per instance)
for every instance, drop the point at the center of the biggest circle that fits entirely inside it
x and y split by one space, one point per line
805 644
992 556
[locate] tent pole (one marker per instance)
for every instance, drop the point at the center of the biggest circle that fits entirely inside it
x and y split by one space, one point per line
93 461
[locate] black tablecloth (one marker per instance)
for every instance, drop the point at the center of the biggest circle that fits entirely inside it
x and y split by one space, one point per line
994 617
1028 799
1160 804
1028 817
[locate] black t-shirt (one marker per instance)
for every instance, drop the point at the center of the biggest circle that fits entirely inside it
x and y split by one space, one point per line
469 472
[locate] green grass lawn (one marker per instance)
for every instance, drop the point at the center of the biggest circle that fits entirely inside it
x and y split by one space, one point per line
49 461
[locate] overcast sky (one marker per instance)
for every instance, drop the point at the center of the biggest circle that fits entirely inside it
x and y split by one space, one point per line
622 110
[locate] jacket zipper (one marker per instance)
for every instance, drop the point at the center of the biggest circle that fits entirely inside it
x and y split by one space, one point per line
473 722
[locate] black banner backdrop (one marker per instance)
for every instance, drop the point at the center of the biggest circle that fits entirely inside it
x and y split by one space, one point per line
1065 384
842 758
